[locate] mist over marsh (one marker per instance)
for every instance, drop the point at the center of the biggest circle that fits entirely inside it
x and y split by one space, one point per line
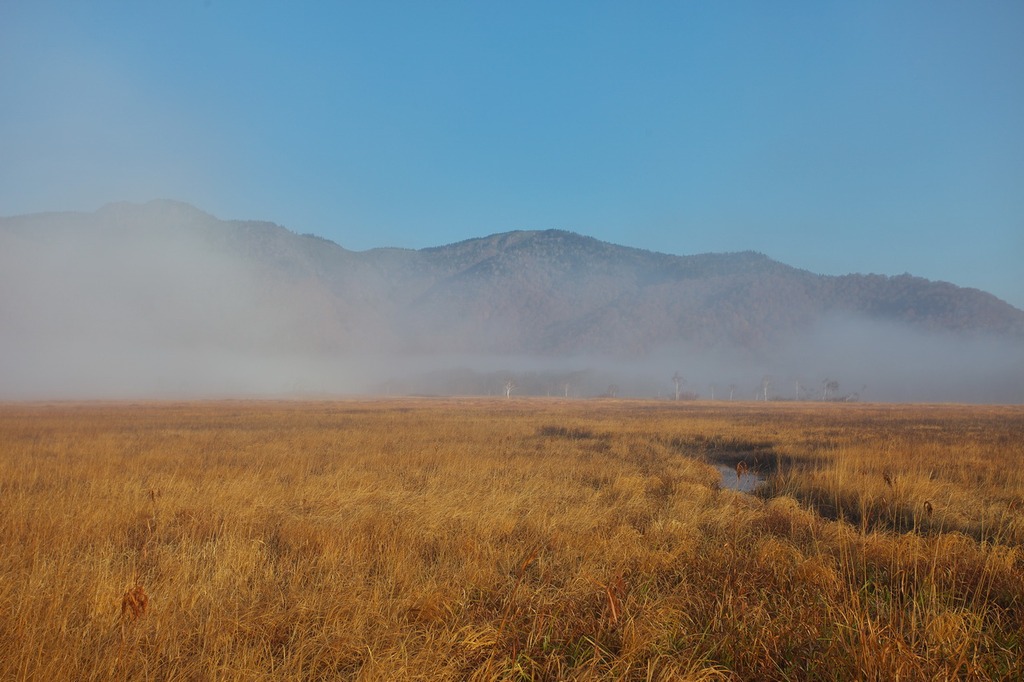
163 300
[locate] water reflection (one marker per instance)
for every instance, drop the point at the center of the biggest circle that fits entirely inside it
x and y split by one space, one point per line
744 484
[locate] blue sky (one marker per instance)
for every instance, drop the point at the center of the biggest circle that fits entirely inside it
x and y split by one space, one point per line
834 136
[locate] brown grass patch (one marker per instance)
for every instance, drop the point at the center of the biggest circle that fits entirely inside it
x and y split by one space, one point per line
510 539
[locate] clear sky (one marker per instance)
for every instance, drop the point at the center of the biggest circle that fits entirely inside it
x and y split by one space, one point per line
834 136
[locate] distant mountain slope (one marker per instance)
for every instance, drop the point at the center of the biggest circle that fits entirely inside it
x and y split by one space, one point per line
165 275
555 291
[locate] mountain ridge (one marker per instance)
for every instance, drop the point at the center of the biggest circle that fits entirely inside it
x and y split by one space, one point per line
170 275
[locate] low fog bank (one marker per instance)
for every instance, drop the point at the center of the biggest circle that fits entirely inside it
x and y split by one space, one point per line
890 362
840 359
99 306
69 372
842 362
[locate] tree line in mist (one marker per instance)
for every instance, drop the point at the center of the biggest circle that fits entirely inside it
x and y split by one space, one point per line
589 383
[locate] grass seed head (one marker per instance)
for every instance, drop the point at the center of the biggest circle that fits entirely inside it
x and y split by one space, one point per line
134 603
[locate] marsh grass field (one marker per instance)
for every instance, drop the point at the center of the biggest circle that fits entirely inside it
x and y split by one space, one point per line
493 539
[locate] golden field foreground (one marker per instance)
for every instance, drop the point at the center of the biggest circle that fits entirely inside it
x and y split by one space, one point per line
510 539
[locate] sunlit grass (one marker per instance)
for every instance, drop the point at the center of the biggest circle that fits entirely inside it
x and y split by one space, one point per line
509 539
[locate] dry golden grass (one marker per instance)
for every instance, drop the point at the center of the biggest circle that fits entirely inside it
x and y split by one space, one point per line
510 539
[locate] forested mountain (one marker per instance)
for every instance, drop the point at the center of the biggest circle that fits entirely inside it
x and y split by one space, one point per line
164 275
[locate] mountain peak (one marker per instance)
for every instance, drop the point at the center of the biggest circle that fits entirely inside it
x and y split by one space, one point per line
172 276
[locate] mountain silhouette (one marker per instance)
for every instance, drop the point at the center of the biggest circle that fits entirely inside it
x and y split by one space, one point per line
166 275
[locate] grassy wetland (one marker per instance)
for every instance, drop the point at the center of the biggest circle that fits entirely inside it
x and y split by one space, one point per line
510 539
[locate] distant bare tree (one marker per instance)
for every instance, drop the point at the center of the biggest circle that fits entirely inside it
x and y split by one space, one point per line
613 390
766 383
678 380
510 385
712 388
732 390
829 387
